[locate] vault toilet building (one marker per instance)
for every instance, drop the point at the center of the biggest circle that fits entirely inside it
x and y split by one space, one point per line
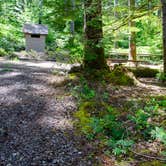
35 36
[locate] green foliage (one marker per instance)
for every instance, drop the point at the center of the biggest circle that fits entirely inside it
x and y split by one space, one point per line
87 93
162 103
141 120
98 120
120 76
83 91
76 52
10 38
144 72
2 52
57 15
97 125
121 146
142 117
160 134
161 76
84 119
106 123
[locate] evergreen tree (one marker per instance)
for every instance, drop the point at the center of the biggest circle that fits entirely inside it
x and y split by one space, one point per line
164 33
93 50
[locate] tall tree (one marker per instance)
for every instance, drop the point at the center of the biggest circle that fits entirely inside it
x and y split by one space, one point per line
72 24
164 32
93 50
40 11
132 36
116 17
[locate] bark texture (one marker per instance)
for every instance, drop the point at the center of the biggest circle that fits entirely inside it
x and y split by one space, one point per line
93 50
164 32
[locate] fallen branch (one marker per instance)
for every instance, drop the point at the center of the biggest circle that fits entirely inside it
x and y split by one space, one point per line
147 156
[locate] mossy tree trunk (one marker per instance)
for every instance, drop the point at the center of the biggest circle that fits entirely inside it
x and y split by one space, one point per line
116 17
93 47
164 32
132 37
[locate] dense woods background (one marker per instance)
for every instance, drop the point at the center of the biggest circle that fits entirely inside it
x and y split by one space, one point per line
138 21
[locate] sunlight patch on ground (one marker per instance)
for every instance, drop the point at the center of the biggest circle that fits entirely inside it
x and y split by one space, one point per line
55 123
10 74
10 99
11 91
41 64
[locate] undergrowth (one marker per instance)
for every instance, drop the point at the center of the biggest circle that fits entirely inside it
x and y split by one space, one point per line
117 131
144 72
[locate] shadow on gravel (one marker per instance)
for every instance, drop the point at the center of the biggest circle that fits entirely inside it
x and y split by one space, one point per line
35 127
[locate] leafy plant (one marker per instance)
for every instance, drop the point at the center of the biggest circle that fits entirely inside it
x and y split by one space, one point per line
161 76
160 134
140 119
87 92
2 52
121 146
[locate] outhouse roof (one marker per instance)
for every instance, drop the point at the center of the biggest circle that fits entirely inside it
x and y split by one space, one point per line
35 29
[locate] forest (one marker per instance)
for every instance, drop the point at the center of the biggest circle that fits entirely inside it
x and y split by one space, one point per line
83 82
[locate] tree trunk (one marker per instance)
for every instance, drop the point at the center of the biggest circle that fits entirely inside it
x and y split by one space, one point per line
116 17
40 11
164 32
72 24
93 47
132 39
115 5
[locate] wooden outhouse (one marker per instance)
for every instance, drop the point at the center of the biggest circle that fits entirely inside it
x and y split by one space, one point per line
35 35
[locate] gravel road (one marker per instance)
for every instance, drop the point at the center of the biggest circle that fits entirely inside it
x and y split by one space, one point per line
35 123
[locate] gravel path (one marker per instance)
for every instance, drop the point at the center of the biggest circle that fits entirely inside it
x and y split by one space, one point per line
35 124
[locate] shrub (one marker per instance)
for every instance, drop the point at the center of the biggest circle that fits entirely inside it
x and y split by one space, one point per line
3 52
160 134
121 146
161 76
144 72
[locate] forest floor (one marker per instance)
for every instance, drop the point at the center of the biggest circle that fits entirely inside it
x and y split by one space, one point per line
36 123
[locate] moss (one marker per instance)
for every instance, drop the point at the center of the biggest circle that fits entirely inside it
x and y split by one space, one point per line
91 107
152 163
97 109
121 76
144 72
83 116
87 110
118 76
87 106
72 76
